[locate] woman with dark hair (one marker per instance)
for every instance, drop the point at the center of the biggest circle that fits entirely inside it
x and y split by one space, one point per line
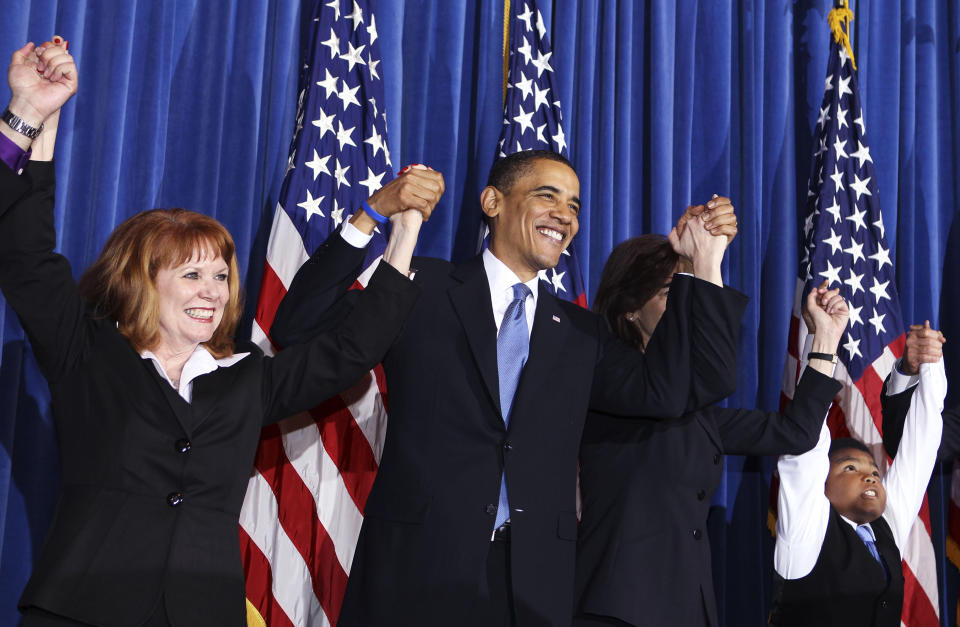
643 556
158 414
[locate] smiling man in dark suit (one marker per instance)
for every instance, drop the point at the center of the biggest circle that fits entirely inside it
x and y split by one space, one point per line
472 518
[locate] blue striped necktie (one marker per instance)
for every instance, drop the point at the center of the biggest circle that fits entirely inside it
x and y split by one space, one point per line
867 536
513 346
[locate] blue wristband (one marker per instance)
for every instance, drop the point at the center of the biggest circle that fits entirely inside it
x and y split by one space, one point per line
372 213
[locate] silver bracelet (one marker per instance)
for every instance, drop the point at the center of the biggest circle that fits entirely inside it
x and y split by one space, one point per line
16 123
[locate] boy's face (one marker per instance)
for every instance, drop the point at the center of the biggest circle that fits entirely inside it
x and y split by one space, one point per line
853 486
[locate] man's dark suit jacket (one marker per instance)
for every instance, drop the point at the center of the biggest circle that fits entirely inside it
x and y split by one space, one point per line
643 555
895 414
152 485
426 533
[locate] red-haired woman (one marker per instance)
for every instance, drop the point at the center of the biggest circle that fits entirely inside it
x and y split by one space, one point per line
158 413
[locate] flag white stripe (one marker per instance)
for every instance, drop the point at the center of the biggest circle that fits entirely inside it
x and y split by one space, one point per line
366 406
258 337
292 585
336 511
919 550
285 251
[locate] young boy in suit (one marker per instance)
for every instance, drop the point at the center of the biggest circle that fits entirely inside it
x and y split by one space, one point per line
841 527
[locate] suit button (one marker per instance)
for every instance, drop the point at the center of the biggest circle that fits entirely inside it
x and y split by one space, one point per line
507 446
883 604
182 445
716 458
491 510
701 494
174 499
697 534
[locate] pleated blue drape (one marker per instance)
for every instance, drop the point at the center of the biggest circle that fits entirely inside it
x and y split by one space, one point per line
665 102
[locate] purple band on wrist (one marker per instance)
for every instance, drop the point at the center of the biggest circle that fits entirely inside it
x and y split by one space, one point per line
370 211
12 155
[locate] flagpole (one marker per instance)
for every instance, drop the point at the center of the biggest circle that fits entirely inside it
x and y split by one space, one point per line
506 49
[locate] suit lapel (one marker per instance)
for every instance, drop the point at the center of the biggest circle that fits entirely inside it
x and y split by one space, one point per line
180 407
204 397
471 301
550 329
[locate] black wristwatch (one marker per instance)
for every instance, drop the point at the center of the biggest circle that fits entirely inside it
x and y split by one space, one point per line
832 358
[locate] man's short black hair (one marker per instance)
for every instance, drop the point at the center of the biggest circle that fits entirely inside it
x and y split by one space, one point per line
507 170
841 444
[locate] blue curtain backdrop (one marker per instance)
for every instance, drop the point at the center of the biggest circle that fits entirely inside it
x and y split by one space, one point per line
191 102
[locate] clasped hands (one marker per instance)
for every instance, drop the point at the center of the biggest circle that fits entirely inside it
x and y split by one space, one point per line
701 236
407 200
41 78
924 346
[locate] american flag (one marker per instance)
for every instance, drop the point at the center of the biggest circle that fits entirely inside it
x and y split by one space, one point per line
312 473
532 120
845 244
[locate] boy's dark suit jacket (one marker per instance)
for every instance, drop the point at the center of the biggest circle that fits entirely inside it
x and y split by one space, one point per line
895 413
423 547
152 486
643 555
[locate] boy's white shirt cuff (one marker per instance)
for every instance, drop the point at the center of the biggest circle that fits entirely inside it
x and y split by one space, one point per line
900 382
354 236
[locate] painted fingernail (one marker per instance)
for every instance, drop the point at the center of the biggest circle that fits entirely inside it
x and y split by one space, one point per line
66 45
57 40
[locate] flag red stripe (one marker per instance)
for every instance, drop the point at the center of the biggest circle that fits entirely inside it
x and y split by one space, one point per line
297 513
382 384
870 386
837 422
917 609
272 292
348 447
793 339
898 345
925 515
259 583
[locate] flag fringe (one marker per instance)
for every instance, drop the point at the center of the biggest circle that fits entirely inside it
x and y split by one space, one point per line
839 19
253 616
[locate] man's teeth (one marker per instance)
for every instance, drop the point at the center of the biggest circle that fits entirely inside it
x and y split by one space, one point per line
556 235
200 314
870 492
